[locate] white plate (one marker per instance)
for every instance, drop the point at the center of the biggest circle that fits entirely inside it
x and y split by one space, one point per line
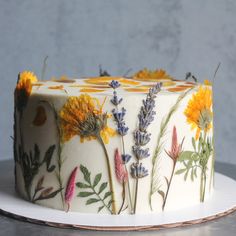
222 202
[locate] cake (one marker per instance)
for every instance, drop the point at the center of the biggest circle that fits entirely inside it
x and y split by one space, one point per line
114 145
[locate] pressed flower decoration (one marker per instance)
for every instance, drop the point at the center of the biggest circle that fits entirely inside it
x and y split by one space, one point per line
83 116
199 111
149 75
174 153
24 88
199 116
122 130
142 137
70 188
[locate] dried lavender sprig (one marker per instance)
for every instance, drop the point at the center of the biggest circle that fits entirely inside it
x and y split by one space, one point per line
142 137
122 130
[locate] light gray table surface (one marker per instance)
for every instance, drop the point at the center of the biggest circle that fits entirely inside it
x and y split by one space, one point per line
222 226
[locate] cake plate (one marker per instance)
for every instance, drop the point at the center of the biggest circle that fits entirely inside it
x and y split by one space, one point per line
222 202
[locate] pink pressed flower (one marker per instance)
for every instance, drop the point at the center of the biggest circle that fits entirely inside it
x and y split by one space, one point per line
176 148
70 188
121 173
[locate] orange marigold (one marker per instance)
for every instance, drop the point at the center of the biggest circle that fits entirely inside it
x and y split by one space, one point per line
149 75
24 88
199 110
83 116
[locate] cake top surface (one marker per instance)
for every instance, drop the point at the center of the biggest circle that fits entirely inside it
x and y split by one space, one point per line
139 83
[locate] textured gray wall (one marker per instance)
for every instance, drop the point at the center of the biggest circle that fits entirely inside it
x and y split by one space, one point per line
78 35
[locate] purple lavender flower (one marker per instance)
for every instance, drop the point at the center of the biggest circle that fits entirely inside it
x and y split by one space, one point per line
141 138
119 115
138 171
154 90
114 84
145 118
122 129
115 100
140 153
148 104
125 158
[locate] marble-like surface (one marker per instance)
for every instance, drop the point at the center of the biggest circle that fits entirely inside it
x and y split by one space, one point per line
219 227
78 35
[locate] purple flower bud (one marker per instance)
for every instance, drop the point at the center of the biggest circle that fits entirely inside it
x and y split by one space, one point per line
138 171
140 153
114 84
119 116
122 129
141 138
116 101
125 158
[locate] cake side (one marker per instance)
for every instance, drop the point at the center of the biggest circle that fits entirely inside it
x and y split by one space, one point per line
111 145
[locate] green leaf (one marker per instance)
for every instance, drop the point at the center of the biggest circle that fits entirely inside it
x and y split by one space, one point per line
162 194
195 172
189 164
92 200
48 157
180 171
107 194
186 155
109 203
51 195
194 143
82 185
192 174
97 179
86 174
36 153
100 208
186 175
199 146
85 194
102 187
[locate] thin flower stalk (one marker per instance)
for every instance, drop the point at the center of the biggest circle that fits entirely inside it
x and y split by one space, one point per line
122 130
142 138
174 153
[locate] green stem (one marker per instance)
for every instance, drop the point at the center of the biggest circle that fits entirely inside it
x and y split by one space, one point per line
123 198
136 195
109 174
212 167
168 187
202 185
59 149
128 184
104 204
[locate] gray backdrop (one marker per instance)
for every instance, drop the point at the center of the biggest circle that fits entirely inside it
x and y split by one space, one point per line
78 35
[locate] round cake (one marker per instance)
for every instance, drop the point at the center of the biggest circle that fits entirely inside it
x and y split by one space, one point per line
114 145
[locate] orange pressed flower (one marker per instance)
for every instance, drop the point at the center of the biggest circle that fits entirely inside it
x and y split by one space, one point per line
149 75
199 110
24 88
83 116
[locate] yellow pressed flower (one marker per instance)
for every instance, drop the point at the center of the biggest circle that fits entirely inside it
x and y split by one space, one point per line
199 110
149 75
24 88
83 116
